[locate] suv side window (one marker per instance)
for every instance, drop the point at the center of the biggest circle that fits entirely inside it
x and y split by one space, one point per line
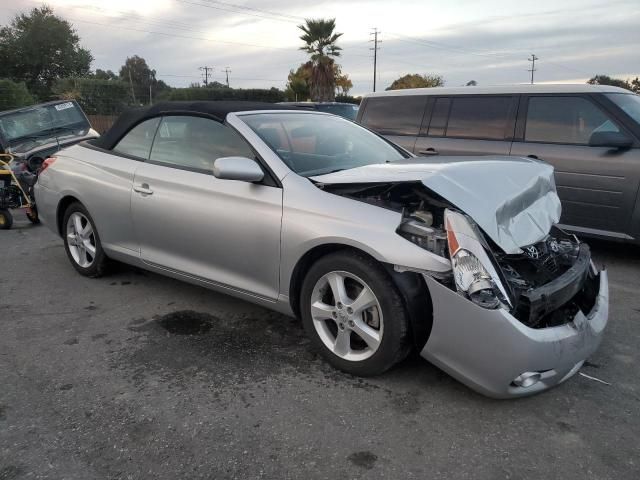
395 115
194 143
568 120
137 141
479 117
439 117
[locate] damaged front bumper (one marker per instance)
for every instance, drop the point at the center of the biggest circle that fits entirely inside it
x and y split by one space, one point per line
488 350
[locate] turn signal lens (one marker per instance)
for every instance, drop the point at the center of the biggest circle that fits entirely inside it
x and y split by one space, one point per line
452 241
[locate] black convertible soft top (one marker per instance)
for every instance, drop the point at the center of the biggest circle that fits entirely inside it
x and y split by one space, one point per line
216 109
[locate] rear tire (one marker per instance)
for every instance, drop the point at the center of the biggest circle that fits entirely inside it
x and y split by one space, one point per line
6 219
357 340
82 242
33 215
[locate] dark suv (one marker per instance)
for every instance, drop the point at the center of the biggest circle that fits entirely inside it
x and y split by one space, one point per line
589 133
346 110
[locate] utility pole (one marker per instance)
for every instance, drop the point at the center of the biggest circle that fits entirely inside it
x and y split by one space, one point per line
533 65
375 55
152 77
133 93
227 71
206 70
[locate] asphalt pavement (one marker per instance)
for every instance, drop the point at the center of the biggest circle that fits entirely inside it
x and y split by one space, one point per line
137 376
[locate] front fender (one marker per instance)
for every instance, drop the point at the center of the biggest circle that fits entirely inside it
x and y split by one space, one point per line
312 218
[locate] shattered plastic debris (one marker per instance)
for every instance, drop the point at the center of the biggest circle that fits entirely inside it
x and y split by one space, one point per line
593 378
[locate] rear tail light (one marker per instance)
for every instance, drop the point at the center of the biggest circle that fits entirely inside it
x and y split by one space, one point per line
46 164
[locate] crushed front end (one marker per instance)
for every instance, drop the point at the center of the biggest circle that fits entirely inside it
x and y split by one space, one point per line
507 320
513 324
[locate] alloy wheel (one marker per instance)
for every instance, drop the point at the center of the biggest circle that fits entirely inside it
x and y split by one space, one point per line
81 240
347 316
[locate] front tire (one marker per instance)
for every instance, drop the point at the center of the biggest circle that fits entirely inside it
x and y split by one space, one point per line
6 219
353 314
82 242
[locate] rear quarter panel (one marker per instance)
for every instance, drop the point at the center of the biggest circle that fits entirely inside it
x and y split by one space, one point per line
102 183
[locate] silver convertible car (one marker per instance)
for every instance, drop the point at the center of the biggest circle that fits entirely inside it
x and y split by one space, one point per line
377 251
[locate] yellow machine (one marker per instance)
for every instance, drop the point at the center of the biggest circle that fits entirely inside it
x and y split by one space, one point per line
16 191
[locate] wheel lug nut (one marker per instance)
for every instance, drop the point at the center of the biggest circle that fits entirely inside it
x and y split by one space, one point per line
334 314
349 310
351 324
339 305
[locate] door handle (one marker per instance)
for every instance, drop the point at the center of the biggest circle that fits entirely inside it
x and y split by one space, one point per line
428 151
535 157
143 189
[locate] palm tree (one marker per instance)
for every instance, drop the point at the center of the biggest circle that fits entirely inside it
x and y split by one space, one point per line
320 41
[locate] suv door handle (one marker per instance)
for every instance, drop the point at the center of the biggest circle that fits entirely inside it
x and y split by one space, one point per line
143 189
535 157
428 151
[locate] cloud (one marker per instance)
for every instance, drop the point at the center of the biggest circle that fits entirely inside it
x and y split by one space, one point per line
487 41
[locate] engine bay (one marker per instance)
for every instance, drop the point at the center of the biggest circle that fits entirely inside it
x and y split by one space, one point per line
538 268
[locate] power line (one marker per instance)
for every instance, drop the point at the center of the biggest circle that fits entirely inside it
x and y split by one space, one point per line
268 12
533 65
166 34
443 46
375 54
206 69
205 5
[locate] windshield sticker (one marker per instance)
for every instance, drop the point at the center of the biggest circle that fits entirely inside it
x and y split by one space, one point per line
64 106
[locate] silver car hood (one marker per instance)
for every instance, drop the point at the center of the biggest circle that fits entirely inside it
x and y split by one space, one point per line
512 199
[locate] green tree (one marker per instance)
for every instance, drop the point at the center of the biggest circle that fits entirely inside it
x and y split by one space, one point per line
105 75
607 80
37 48
143 85
320 42
635 85
344 85
13 95
271 95
298 83
96 96
416 80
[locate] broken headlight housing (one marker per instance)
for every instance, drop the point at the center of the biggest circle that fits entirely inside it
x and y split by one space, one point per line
474 274
472 279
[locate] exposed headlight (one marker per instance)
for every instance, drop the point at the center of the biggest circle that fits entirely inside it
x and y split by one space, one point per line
472 279
474 274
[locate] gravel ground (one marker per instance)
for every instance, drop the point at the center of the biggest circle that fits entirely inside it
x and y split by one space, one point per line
139 376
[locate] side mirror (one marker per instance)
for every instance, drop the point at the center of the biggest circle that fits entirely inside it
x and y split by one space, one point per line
237 168
610 139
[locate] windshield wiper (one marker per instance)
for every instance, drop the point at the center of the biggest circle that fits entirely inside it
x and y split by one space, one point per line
59 130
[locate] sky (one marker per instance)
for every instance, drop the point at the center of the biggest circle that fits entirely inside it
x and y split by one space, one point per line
488 41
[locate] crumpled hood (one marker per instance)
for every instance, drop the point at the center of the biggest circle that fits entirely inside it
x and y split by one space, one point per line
512 199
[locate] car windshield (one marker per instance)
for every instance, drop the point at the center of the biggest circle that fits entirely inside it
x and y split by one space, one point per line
346 111
628 102
42 121
315 144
